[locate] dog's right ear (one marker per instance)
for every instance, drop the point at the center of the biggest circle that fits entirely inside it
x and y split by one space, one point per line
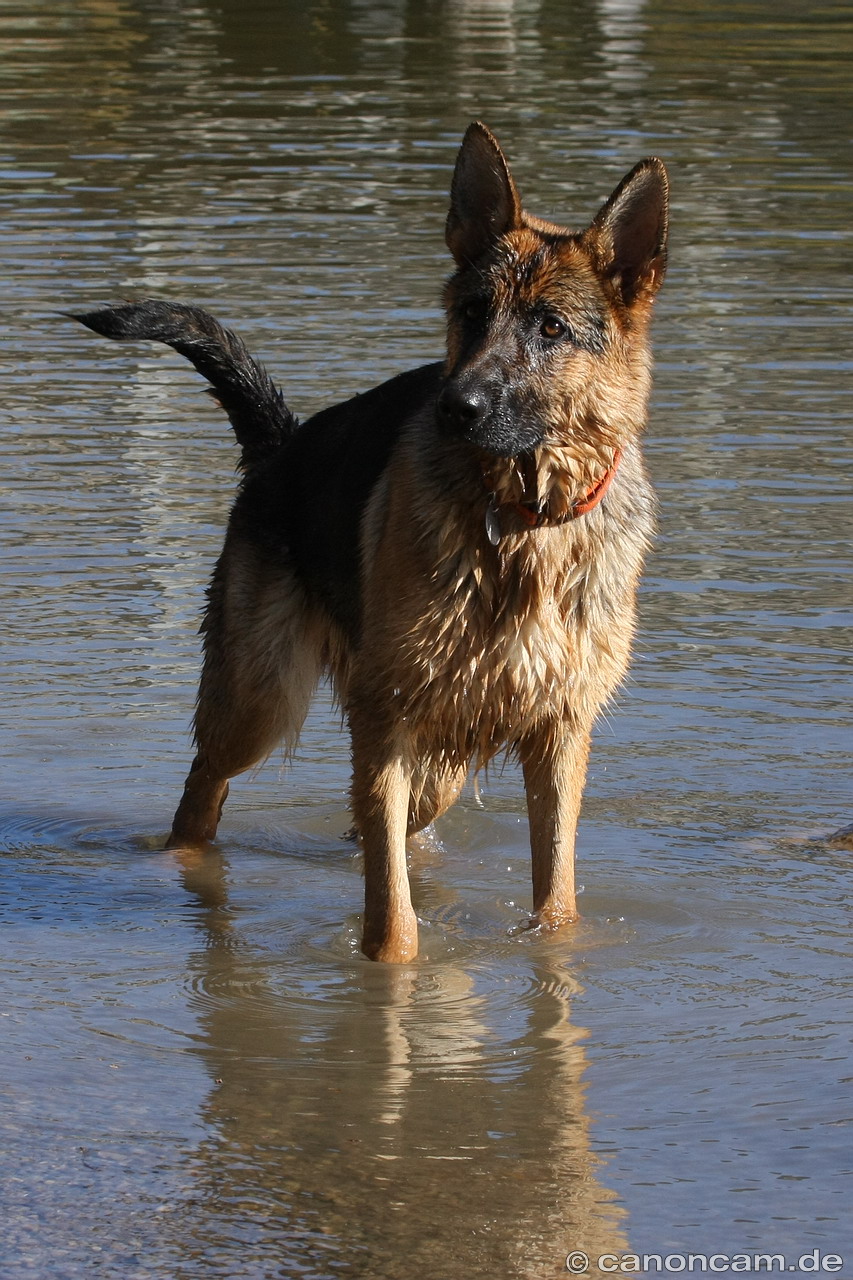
484 202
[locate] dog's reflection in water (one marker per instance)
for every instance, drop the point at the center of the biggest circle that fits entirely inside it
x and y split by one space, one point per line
391 1121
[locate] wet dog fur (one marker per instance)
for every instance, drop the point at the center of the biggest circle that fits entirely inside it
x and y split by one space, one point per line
459 548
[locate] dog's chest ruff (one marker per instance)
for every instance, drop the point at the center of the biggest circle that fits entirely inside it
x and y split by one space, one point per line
504 640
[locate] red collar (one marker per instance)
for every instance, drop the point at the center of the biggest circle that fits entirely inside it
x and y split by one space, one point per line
537 519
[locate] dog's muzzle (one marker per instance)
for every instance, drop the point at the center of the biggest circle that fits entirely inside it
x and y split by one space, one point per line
481 412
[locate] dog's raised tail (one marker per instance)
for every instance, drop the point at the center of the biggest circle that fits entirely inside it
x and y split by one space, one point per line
261 420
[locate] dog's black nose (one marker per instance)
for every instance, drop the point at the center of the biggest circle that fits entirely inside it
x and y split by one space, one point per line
462 405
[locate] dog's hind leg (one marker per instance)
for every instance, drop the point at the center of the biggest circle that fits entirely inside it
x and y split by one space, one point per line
205 792
554 761
434 790
263 658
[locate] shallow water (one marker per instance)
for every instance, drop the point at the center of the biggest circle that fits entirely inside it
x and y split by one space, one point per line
202 1075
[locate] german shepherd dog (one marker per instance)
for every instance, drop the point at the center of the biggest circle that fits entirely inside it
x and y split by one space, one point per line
459 548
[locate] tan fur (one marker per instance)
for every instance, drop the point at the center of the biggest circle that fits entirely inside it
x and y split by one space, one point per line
468 648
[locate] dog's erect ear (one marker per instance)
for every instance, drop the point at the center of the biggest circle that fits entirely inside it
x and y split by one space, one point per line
628 236
484 202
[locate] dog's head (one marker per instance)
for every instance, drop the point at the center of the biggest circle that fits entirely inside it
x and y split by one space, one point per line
547 328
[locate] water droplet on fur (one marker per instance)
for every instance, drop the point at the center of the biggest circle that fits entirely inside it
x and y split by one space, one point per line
493 524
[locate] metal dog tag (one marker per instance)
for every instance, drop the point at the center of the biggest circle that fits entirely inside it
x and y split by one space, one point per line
493 522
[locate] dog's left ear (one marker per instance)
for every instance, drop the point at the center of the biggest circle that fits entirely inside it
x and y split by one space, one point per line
628 235
484 202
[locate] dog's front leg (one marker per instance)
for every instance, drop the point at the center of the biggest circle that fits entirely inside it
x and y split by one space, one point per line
554 762
380 799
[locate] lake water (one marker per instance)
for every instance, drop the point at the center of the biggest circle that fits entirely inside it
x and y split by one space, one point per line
201 1076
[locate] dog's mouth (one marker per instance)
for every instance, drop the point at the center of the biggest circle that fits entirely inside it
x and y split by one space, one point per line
531 477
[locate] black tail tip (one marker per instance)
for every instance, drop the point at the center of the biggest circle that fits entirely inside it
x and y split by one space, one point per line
110 322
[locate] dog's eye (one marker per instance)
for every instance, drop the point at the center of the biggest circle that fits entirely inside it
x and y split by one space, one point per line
473 310
552 327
